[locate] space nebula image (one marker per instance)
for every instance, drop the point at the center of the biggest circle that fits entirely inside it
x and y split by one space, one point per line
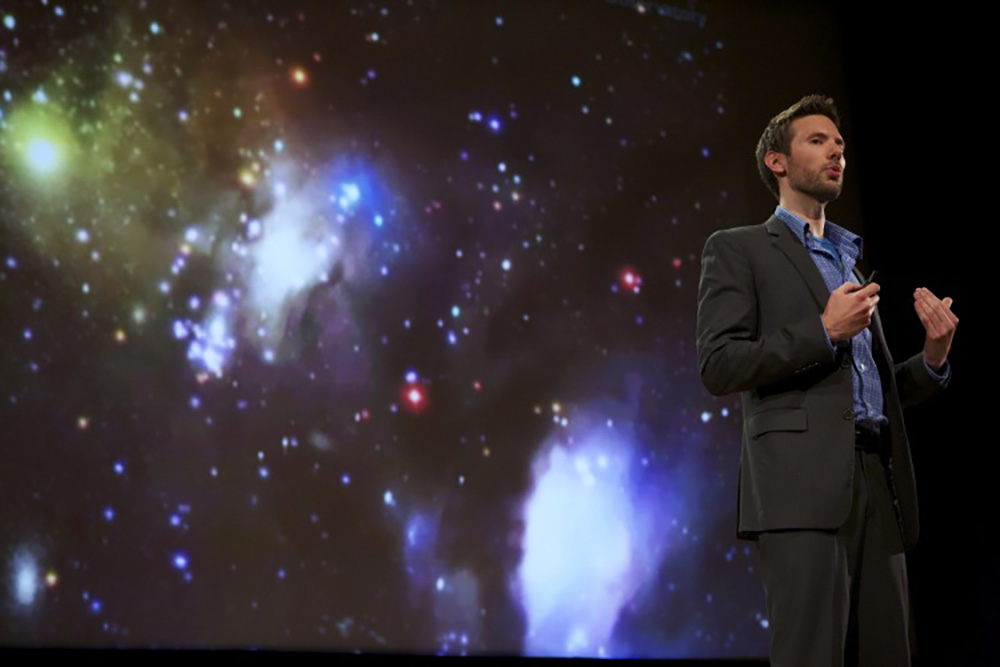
366 325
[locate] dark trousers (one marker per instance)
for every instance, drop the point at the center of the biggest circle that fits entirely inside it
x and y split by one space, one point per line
838 598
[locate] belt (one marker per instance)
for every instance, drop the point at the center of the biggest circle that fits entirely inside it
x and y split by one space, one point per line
867 439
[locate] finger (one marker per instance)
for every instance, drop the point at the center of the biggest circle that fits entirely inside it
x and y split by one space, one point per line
923 294
940 325
929 293
923 313
940 309
931 298
946 302
926 313
848 287
871 288
946 315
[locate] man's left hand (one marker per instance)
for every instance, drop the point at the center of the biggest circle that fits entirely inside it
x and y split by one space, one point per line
939 322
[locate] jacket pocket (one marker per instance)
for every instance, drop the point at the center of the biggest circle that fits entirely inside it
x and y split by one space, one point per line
778 419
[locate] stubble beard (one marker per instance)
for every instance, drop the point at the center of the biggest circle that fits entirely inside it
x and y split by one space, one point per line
816 185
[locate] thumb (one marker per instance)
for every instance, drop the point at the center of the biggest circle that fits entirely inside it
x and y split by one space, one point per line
947 302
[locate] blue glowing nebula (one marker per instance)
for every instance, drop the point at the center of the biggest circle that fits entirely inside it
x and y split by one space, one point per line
26 580
592 540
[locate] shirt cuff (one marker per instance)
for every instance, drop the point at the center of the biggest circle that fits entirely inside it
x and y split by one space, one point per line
939 376
829 343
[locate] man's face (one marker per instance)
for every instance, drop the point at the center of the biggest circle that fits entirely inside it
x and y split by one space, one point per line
815 163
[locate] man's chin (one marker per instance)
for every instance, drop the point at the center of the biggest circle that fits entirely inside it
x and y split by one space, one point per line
827 193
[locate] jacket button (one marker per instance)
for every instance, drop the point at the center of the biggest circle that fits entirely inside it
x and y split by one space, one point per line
845 362
848 414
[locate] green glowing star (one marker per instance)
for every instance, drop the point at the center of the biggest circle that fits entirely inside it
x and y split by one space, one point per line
43 155
39 141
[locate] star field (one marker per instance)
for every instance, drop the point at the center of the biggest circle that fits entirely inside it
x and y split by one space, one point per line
365 326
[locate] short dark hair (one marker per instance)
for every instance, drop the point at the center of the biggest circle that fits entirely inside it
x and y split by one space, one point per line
777 135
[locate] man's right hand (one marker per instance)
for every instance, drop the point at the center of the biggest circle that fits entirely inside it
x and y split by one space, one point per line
849 310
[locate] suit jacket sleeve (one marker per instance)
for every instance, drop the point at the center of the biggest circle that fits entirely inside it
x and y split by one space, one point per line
732 354
914 383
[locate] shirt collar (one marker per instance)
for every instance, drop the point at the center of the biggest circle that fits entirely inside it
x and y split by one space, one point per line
844 240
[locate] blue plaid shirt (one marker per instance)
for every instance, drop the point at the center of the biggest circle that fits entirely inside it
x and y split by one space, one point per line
835 256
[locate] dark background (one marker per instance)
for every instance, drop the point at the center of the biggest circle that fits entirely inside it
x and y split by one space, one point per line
913 85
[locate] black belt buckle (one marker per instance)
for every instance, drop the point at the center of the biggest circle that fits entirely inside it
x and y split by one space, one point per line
867 438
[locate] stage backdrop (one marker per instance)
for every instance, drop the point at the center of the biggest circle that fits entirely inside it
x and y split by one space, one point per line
368 326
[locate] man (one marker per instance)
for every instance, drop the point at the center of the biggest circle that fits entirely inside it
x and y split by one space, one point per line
826 483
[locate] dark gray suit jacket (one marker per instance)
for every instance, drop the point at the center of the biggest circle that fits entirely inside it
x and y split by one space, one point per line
759 333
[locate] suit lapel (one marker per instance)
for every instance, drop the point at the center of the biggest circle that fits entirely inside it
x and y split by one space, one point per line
878 335
789 244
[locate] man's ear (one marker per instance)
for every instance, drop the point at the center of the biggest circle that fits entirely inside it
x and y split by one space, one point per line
777 163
